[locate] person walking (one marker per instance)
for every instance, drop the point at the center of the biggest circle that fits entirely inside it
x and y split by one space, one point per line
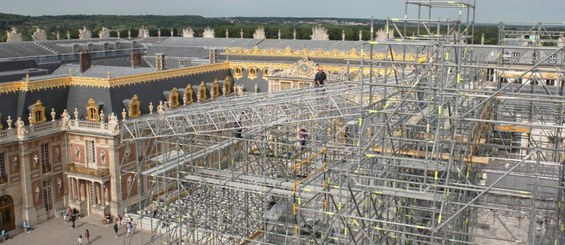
73 219
87 235
79 240
129 228
116 229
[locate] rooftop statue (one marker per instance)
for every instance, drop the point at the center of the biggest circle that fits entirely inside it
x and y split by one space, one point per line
187 32
208 33
383 35
259 33
13 35
319 33
84 33
143 32
39 35
104 33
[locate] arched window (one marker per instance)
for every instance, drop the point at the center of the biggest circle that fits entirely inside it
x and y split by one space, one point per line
252 72
92 111
238 72
174 98
134 110
265 71
38 112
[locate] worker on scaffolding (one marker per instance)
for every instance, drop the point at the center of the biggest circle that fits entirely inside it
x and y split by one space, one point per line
302 138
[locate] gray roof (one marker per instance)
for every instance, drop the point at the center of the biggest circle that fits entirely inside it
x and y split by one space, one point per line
22 49
95 71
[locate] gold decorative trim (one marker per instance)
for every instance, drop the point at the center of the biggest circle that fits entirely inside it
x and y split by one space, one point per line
318 53
215 89
187 97
174 98
38 112
92 111
133 107
110 82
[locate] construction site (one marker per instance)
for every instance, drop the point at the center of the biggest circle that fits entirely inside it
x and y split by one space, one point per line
441 141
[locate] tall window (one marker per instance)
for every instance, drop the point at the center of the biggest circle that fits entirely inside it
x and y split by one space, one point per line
45 158
2 165
45 154
90 151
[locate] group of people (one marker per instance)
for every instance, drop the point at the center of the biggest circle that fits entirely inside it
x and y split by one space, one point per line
128 226
70 215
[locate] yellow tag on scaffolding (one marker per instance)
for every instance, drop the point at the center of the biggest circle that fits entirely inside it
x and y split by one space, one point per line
446 55
436 175
360 121
439 219
299 200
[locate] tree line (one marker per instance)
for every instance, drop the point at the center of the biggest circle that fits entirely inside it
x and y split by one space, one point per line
26 25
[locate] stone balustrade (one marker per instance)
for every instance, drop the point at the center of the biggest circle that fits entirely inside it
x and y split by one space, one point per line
73 168
10 134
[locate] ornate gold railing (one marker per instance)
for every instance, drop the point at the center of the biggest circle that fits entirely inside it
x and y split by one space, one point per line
71 167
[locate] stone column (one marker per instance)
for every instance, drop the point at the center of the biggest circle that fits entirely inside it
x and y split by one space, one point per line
102 195
82 190
70 183
29 211
114 196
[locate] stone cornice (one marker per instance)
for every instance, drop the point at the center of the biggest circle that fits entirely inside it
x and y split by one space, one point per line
110 82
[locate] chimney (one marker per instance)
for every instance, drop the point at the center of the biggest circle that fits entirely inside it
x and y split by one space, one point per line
212 56
160 61
135 59
84 60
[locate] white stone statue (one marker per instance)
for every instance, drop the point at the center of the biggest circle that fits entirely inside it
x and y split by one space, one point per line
172 32
37 193
65 118
150 108
104 33
68 35
129 33
143 32
30 119
187 32
160 107
101 116
259 33
77 153
59 184
39 35
256 87
279 34
20 128
58 35
103 156
53 114
15 161
294 34
227 33
124 114
319 33
13 36
208 33
76 114
360 35
9 122
383 35
343 35
112 123
84 33
159 32
241 33
238 89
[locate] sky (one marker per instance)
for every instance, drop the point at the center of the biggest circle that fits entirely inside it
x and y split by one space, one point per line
487 11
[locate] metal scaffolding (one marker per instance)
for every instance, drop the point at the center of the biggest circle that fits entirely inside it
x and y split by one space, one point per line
458 144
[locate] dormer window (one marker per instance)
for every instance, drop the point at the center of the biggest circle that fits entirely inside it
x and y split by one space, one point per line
252 73
38 112
92 111
238 72
133 107
187 97
174 98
